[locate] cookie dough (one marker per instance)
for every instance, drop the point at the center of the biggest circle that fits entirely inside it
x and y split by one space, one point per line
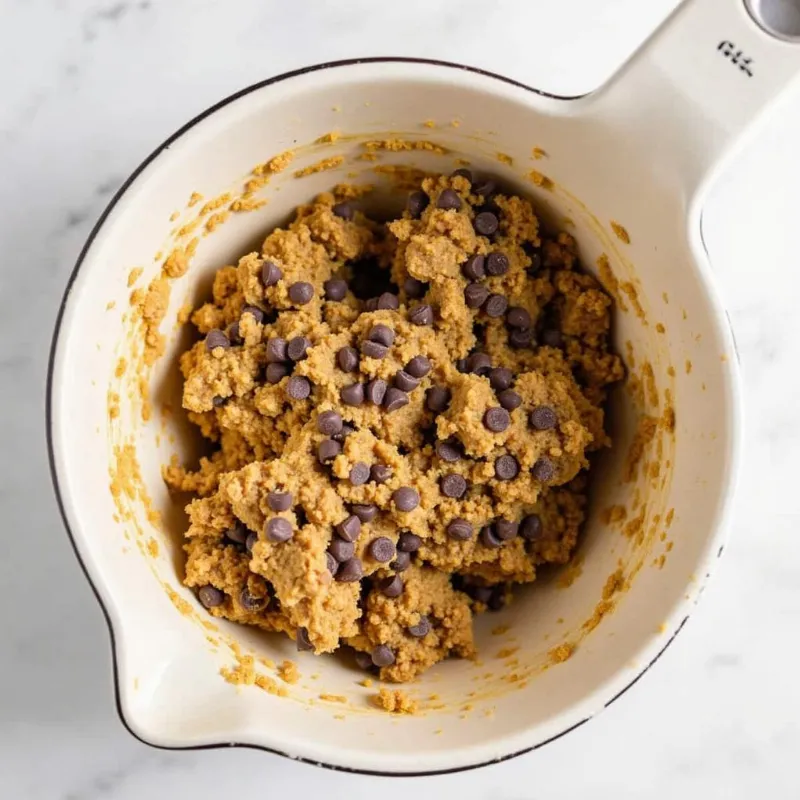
399 416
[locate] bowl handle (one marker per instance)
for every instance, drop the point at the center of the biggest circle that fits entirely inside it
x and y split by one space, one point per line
699 87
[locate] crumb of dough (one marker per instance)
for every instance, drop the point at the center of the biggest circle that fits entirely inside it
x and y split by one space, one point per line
620 232
328 138
320 166
366 683
504 158
217 219
119 370
110 304
660 327
499 630
333 698
277 164
561 653
288 672
403 145
538 153
429 123
394 701
134 275
245 203
539 179
152 547
274 493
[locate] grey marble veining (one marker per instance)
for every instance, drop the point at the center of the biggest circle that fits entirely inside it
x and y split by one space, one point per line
89 88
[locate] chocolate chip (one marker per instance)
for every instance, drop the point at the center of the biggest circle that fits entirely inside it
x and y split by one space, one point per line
473 267
543 418
371 304
500 378
380 473
506 468
233 333
270 273
505 529
374 349
297 348
347 429
405 382
210 596
238 533
394 399
485 187
335 289
218 401
303 642
350 571
461 365
359 473
382 334
497 263
328 450
496 305
449 451
481 594
406 498
250 543
489 538
408 542
497 600
388 302
279 501
278 530
329 423
421 628
437 399
250 602
350 528
401 562
414 288
543 469
364 660
421 315
417 202
375 390
520 338
255 312
392 586
459 529
301 293
475 295
276 350
276 373
536 261
341 550
518 317
347 359
552 338
343 211
531 527
464 173
509 399
449 200
479 364
496 419
299 387
418 367
453 485
216 338
352 395
382 549
366 512
331 563
485 223
382 656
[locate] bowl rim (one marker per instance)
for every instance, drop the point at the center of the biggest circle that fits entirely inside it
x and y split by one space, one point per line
51 450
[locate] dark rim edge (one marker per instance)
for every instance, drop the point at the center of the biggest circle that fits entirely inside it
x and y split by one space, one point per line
165 145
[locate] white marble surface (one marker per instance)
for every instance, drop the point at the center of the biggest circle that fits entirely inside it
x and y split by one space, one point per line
88 89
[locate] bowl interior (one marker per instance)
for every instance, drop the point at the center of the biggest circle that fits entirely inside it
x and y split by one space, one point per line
652 530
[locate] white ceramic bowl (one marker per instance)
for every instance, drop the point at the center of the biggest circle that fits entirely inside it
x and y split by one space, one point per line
639 152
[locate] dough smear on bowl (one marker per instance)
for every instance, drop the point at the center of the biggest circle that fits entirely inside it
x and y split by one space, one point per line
399 417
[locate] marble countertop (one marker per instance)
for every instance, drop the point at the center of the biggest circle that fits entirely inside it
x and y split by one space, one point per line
89 88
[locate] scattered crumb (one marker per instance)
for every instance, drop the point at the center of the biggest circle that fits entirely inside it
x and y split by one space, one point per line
499 630
620 232
365 682
660 328
110 304
328 138
504 158
455 123
152 547
276 164
506 652
333 698
217 202
463 162
538 153
194 199
688 366
134 276
340 717
561 653
288 672
394 701
400 145
540 180
665 297
429 123
437 732
122 365
215 220
320 166
267 662
174 215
